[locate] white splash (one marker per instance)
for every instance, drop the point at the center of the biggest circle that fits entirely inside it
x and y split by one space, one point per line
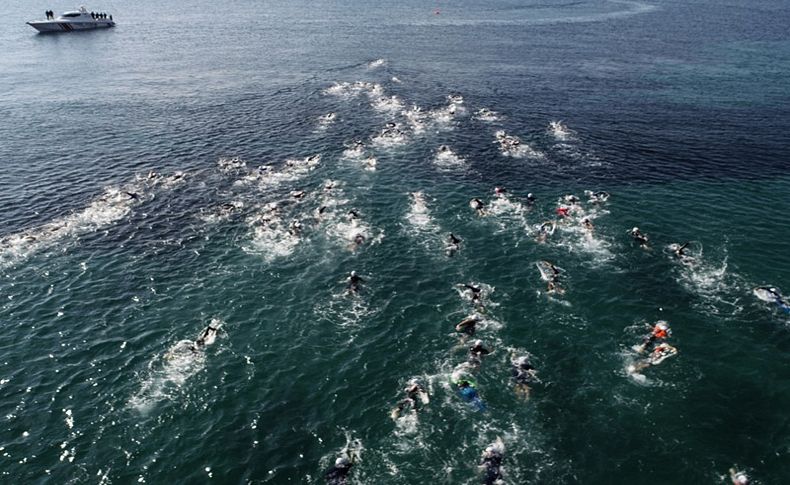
446 158
559 131
487 115
110 207
512 146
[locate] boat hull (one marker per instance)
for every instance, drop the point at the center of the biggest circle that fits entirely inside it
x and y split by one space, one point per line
55 26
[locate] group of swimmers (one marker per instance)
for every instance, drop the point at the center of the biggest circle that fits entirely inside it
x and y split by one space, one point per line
94 15
416 395
654 347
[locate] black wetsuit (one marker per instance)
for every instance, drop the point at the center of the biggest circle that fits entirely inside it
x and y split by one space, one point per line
492 465
353 282
338 474
523 373
639 237
476 354
467 326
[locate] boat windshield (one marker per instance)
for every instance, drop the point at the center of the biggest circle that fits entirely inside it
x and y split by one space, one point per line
71 14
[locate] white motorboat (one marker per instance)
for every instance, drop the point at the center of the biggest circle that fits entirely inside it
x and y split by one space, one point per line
76 20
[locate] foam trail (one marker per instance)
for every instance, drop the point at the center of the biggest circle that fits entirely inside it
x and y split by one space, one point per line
167 373
272 237
112 206
446 158
512 146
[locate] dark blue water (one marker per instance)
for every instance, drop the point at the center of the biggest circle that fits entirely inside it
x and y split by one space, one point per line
679 110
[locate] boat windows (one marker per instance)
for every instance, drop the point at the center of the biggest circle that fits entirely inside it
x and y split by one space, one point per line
71 14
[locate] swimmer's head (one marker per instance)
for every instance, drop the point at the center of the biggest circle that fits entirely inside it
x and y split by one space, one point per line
342 461
478 343
353 273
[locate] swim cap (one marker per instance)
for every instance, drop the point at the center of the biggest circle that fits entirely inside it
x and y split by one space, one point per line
353 273
635 229
342 461
478 343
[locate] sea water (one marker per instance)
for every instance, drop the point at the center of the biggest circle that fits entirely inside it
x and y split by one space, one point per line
198 162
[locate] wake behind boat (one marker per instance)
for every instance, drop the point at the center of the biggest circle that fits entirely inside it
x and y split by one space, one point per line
75 20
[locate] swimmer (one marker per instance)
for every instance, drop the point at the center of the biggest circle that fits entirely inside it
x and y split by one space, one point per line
133 195
571 199
415 394
551 274
523 374
659 354
772 295
660 331
563 211
353 282
338 474
500 191
588 224
476 353
555 271
415 391
469 394
453 244
597 197
478 205
544 231
468 325
295 228
639 237
531 199
207 336
402 406
153 175
353 214
476 291
552 287
739 478
491 464
359 240
319 212
485 114
679 251
444 149
297 194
